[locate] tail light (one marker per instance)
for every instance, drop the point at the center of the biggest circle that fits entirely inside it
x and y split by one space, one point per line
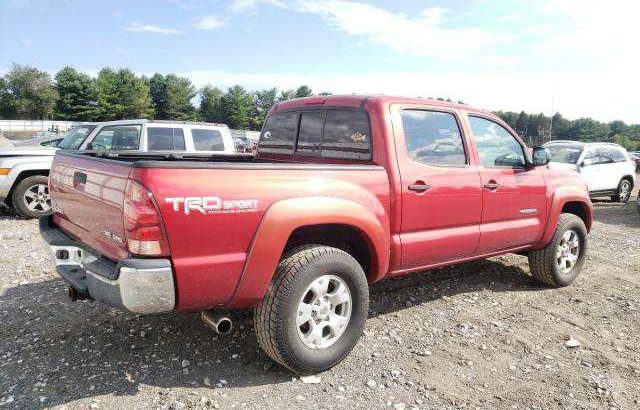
142 223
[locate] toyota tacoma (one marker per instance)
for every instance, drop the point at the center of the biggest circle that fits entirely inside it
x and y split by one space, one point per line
344 191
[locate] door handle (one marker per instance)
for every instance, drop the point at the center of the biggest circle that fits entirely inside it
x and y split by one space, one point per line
419 187
492 185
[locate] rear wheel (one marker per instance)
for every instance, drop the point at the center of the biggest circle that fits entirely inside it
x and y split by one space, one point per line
30 198
560 262
315 309
624 192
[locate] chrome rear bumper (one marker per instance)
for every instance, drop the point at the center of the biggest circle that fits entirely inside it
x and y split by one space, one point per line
141 286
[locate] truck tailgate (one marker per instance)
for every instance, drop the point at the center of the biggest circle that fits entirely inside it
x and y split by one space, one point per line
87 197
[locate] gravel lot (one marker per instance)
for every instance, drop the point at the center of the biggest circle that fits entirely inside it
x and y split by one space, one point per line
479 335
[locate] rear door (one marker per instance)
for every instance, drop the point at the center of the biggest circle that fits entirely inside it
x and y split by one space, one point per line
599 170
441 197
513 196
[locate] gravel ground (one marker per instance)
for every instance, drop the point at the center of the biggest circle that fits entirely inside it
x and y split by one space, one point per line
479 335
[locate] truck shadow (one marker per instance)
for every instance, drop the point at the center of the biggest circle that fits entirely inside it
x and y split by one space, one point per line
390 295
55 352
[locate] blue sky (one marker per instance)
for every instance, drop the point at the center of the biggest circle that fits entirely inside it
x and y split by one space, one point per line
574 56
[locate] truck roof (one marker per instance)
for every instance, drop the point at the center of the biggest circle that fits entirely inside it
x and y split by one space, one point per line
141 121
356 100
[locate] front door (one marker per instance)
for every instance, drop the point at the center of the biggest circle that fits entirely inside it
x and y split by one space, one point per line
441 194
513 195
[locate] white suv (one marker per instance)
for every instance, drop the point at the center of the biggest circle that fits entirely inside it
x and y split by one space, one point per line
606 167
24 171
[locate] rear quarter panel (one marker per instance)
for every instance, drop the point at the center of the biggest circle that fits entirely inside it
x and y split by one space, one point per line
209 250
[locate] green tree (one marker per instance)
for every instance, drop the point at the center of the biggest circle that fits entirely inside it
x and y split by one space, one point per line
28 93
509 117
171 97
211 107
626 142
262 102
158 91
7 109
560 126
78 95
286 95
237 103
590 130
303 91
123 95
521 124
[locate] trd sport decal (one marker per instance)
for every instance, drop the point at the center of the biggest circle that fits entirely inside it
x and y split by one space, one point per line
212 205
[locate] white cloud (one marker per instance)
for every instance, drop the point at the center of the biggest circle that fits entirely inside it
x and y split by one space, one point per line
251 6
425 34
602 29
515 91
210 22
138 27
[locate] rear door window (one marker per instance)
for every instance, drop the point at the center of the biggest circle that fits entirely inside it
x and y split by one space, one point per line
618 155
279 134
117 137
433 138
207 139
346 135
165 139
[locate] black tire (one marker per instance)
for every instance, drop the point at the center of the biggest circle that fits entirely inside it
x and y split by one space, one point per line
543 262
19 202
275 316
623 197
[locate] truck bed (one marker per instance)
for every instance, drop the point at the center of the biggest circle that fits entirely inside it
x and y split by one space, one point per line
208 247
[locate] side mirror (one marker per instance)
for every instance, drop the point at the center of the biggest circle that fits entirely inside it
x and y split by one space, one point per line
540 156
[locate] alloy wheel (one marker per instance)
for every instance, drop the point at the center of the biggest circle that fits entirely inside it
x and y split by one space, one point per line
323 312
37 198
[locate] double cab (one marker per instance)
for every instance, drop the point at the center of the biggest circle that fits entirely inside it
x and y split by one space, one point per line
344 191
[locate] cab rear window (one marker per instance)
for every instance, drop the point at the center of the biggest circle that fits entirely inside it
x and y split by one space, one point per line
331 133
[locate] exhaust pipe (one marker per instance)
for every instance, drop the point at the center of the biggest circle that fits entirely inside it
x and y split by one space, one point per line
219 321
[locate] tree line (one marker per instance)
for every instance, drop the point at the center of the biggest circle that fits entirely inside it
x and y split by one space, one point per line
537 129
29 93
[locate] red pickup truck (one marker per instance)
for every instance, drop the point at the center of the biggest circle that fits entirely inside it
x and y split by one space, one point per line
344 191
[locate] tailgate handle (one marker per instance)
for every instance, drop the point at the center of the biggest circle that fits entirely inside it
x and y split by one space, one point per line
79 178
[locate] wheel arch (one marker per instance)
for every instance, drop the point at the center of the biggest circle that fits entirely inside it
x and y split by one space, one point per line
629 178
566 199
297 221
21 176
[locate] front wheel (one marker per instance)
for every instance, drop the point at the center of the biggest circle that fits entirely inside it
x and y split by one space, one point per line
560 262
30 198
315 309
